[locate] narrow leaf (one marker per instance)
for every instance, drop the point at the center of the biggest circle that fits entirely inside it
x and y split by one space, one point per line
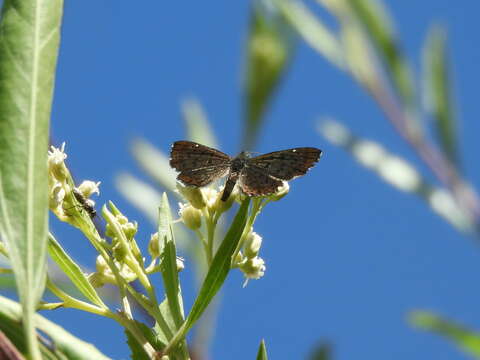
314 32
216 274
464 338
63 342
437 92
169 263
154 163
262 351
73 271
198 127
268 51
29 40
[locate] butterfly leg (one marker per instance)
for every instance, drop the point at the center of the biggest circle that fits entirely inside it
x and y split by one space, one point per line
229 184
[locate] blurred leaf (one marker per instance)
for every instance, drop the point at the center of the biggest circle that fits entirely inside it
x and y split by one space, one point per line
322 351
169 263
358 55
29 40
315 33
464 338
262 351
437 91
375 21
140 194
73 271
64 345
268 51
198 128
397 172
154 163
217 272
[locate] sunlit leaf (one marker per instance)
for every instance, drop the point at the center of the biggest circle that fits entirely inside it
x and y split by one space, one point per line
461 336
73 271
217 273
169 263
437 92
63 342
262 351
268 50
29 40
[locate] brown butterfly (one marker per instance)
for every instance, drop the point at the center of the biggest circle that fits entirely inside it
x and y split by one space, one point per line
199 165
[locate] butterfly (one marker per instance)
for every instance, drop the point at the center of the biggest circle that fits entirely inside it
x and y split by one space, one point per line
199 165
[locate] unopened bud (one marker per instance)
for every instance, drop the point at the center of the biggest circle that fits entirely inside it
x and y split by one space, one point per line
252 245
191 217
192 194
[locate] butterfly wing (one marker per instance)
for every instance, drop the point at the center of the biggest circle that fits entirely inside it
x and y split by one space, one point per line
255 181
286 164
198 164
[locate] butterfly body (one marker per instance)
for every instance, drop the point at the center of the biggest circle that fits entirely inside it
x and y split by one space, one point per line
262 175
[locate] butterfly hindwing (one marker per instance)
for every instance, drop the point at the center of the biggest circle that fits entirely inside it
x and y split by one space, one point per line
256 181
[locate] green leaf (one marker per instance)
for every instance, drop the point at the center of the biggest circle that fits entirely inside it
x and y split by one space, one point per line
374 19
262 351
29 40
216 274
169 263
437 91
73 271
198 128
268 51
65 345
466 339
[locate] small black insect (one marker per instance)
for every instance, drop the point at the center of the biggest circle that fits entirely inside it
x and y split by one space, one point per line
199 165
86 204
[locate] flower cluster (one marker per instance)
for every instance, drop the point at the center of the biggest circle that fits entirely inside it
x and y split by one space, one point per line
201 212
67 202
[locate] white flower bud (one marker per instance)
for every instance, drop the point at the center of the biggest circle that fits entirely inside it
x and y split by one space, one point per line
252 245
253 268
191 217
192 194
87 188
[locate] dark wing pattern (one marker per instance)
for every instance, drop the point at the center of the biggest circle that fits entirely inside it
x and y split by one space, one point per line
287 164
198 164
255 181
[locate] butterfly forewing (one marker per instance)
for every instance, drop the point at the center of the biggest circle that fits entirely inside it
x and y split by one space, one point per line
198 164
286 164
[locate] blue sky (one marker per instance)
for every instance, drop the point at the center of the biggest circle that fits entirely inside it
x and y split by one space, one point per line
347 255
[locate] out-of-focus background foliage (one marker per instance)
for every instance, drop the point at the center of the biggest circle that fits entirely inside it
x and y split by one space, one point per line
350 252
